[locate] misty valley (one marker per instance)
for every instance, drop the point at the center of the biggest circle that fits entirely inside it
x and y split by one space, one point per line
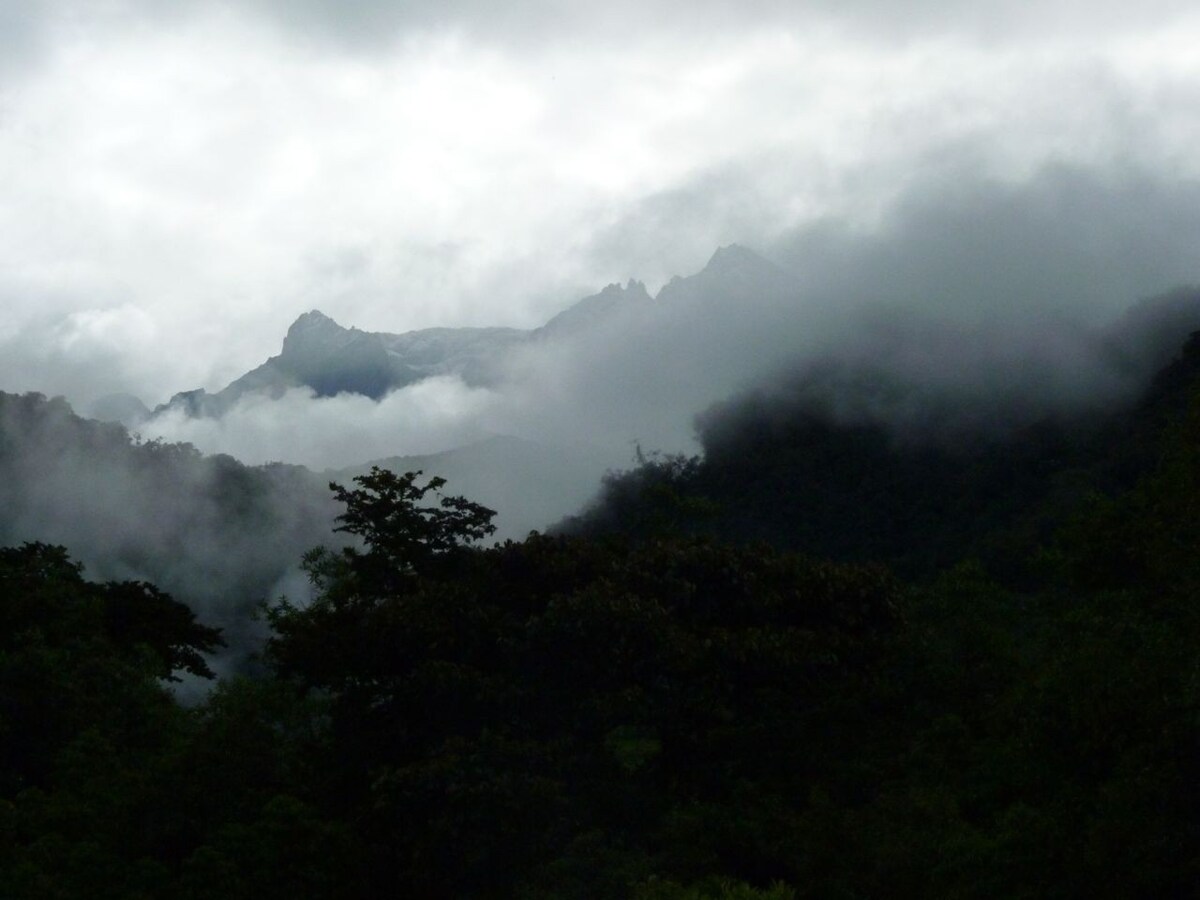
907 611
640 450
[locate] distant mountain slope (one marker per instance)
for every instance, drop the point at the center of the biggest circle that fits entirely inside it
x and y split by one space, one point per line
731 272
217 534
330 359
320 354
593 311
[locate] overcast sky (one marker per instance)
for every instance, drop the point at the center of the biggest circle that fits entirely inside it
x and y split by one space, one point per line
179 181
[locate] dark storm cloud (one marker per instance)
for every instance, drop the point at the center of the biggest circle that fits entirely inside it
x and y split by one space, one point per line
1069 241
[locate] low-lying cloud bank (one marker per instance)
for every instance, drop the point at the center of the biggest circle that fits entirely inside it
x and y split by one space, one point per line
335 432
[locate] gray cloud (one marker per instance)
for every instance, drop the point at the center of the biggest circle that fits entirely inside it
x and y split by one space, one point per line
23 32
83 353
218 535
675 231
976 288
193 176
28 31
966 281
1068 242
220 177
376 23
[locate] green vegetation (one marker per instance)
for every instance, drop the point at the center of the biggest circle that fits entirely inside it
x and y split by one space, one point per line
652 709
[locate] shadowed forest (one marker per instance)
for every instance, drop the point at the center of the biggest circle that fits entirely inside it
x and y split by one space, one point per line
822 659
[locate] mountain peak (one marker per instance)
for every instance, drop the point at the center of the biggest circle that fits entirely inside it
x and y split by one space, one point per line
314 318
311 331
590 311
734 273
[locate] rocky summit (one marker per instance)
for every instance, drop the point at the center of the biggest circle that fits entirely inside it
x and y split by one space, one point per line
330 359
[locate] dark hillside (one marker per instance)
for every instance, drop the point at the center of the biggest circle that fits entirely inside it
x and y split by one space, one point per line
788 465
217 534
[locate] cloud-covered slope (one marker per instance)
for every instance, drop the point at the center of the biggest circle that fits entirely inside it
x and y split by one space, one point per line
218 535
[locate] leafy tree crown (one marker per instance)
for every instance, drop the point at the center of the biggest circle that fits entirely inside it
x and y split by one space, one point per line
389 512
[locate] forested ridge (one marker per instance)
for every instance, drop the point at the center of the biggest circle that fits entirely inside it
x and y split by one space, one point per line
215 533
816 662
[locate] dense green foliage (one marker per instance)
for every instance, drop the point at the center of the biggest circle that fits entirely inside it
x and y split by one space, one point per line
658 712
85 728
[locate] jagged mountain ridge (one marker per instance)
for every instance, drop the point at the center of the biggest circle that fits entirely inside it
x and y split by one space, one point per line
320 354
591 311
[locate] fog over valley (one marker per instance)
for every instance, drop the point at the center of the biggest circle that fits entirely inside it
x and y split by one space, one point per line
639 450
524 249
